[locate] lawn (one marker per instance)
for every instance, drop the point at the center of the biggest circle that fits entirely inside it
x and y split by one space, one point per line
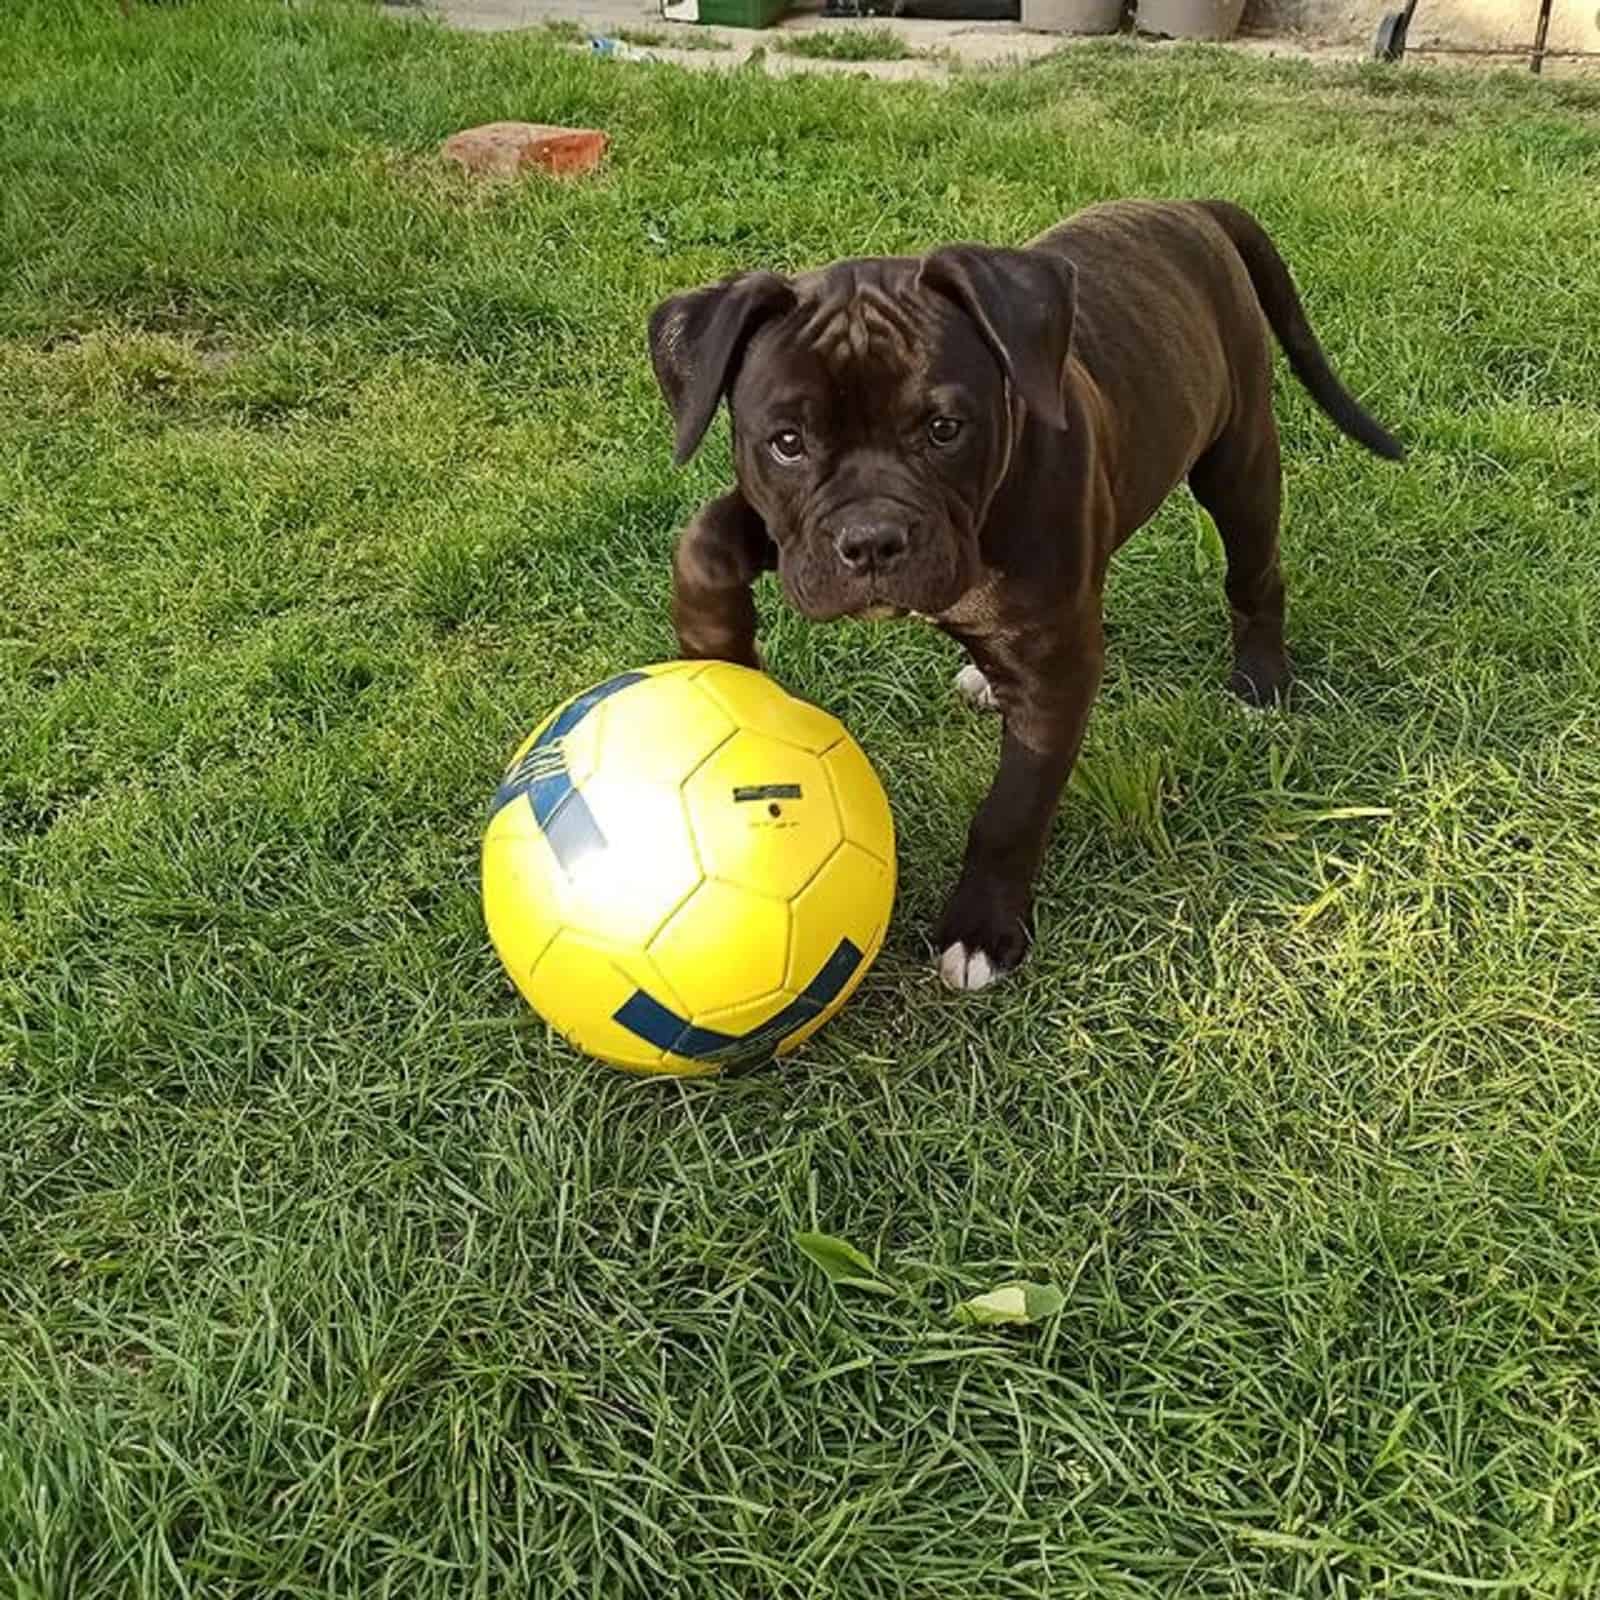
849 44
324 1271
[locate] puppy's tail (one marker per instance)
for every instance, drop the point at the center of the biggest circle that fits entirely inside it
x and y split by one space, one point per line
1276 292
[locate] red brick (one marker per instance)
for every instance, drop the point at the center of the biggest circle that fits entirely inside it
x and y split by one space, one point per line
503 149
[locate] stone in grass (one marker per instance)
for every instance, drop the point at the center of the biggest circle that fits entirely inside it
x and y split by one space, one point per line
505 149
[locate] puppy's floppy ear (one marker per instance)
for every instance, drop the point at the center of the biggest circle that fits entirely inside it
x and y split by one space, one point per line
697 341
1023 303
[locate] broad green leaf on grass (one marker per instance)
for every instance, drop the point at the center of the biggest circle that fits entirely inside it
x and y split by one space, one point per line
842 1263
1012 1303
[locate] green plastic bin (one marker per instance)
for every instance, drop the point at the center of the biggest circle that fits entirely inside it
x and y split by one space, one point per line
725 13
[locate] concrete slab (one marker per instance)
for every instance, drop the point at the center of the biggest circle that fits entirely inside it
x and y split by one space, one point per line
941 46
502 16
937 45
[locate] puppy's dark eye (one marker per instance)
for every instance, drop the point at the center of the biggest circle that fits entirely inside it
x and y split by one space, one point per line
945 430
787 445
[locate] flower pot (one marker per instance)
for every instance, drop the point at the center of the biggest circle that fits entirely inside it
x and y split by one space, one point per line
1072 16
1190 19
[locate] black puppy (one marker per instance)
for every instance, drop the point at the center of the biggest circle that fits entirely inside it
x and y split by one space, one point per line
968 436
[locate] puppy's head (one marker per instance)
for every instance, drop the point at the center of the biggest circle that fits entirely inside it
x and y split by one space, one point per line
873 410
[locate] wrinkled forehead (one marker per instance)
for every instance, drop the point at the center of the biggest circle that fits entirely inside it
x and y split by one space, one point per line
850 318
860 327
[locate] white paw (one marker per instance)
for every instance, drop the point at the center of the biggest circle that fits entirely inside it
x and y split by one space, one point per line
974 688
960 970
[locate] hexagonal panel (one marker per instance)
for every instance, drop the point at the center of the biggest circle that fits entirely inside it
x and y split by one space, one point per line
758 703
660 730
747 1034
586 991
851 898
520 903
863 806
763 815
580 750
742 1020
635 861
723 948
527 744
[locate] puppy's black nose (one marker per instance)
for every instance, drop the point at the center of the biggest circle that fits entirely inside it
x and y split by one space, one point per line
870 546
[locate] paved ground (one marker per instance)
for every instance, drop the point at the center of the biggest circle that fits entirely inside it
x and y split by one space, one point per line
940 43
496 16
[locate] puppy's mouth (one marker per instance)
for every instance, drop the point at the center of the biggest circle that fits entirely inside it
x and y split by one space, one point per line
834 603
826 596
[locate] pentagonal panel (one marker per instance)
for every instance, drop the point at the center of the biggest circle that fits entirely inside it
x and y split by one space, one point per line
763 815
723 948
758 703
661 729
601 999
845 908
627 855
863 806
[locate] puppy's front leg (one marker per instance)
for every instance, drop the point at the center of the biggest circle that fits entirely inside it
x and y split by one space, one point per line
1045 696
719 556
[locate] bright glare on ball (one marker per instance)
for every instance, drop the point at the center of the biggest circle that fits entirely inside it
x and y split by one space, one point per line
688 869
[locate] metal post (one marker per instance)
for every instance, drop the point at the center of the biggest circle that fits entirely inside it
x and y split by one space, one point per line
1536 65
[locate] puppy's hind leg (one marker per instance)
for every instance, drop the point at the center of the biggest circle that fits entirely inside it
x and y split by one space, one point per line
1239 481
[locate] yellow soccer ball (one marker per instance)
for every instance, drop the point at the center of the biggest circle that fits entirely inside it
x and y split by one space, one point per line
687 869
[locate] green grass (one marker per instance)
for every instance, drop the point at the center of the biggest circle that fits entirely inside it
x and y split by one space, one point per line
324 1271
848 44
564 29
